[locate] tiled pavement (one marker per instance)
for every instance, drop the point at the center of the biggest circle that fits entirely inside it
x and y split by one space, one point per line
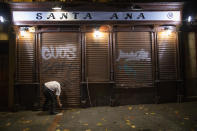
149 117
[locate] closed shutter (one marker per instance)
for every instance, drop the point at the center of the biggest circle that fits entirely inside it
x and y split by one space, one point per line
97 57
133 60
167 55
60 61
25 58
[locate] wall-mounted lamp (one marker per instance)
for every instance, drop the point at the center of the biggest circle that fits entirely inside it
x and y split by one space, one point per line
31 29
135 7
57 8
2 20
166 31
97 33
189 19
25 30
169 32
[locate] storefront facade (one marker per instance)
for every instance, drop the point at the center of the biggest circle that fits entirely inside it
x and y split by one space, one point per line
101 54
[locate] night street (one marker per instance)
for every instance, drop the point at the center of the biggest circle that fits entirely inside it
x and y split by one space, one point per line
98 65
150 117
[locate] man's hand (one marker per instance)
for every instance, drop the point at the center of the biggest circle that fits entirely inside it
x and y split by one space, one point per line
58 101
60 105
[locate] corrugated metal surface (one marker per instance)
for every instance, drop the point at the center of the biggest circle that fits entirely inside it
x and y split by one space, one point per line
97 57
60 61
166 44
133 60
25 58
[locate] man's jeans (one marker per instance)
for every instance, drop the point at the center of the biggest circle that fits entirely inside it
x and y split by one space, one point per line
50 98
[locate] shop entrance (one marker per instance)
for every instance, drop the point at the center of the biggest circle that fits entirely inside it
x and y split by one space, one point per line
60 61
133 59
97 57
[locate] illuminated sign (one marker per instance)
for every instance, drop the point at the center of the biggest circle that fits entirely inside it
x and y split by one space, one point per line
97 16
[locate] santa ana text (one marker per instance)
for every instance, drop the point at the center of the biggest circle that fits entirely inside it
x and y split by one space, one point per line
96 16
88 16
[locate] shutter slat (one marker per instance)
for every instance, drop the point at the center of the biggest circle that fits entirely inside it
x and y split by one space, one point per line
133 60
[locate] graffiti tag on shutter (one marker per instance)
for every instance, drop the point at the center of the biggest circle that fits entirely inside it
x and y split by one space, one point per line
67 51
137 56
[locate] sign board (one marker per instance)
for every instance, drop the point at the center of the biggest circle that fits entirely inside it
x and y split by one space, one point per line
96 16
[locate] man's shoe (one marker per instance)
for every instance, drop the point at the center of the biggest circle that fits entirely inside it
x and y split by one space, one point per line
44 109
53 113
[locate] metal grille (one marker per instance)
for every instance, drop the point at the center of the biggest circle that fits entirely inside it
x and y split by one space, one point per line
60 61
25 58
167 55
133 60
97 57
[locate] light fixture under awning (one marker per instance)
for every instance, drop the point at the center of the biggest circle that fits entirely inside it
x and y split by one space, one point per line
57 8
2 20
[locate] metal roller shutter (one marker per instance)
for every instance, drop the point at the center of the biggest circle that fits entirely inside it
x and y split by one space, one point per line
60 61
97 57
25 58
133 60
167 55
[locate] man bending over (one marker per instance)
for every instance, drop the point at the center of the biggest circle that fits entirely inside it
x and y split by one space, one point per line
51 91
